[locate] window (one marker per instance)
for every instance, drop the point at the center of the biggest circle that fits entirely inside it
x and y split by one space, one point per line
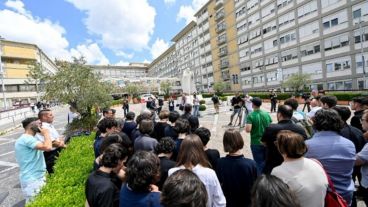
242 39
336 42
310 49
335 19
308 29
327 3
289 55
357 13
307 9
242 26
358 34
338 64
360 10
340 85
270 43
244 67
271 26
286 19
255 33
244 53
256 49
283 3
240 12
268 10
285 38
272 59
251 4
257 63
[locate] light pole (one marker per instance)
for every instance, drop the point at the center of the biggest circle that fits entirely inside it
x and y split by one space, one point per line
2 76
362 52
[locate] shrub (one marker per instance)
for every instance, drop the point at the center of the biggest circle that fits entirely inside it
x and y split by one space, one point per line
66 186
201 102
116 102
202 107
223 98
207 95
345 96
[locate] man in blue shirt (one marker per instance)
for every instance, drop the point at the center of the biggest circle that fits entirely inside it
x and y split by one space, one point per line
28 152
335 152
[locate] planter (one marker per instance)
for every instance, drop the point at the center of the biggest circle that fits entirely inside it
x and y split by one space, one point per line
343 103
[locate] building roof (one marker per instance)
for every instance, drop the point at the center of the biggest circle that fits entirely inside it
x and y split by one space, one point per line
204 6
184 31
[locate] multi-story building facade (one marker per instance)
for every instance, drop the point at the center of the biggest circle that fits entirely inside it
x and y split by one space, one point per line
318 37
206 71
258 44
164 65
121 74
187 50
16 59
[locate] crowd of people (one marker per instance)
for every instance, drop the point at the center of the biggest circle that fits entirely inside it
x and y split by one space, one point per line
164 160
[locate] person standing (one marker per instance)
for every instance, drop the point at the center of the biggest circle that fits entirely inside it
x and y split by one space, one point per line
216 103
358 104
273 156
335 152
171 104
195 105
28 153
273 99
257 122
73 114
160 104
236 103
47 118
236 173
125 106
247 100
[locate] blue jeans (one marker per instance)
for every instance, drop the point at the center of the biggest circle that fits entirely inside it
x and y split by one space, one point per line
196 110
259 155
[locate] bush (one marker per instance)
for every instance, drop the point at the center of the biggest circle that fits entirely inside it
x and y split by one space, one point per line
280 96
201 102
202 107
345 96
223 98
66 186
207 95
116 102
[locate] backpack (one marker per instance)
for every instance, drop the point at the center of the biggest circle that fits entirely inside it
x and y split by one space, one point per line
306 124
215 99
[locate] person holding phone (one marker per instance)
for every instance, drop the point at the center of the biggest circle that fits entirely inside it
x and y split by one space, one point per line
28 153
47 118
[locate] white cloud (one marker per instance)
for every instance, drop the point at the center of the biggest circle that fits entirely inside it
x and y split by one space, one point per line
91 52
18 24
16 5
121 24
124 54
158 47
187 12
169 2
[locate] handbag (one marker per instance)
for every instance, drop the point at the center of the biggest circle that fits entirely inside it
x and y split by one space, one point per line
332 199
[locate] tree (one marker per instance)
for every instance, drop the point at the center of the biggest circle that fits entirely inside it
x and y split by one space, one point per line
166 87
297 81
219 87
76 84
36 75
132 89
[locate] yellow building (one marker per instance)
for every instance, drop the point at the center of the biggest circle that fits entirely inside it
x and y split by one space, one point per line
16 58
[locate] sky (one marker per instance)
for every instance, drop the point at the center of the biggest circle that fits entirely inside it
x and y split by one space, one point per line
115 32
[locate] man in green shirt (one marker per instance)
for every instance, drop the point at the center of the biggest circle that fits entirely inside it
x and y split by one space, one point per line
257 122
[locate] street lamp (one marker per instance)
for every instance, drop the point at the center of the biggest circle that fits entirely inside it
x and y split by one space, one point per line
2 75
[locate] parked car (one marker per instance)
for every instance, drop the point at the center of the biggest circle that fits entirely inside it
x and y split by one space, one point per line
146 96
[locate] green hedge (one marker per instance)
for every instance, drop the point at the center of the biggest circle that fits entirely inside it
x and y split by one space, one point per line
116 102
201 102
280 96
207 95
66 186
223 98
202 107
346 96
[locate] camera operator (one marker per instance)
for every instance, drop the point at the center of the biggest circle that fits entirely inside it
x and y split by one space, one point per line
308 98
28 153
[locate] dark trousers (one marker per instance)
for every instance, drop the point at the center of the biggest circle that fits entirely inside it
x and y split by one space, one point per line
126 110
50 158
273 105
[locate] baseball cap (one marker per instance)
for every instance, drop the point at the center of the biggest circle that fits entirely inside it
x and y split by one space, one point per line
257 101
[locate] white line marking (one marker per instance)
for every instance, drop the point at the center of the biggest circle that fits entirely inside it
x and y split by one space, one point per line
6 153
7 142
10 164
215 121
6 170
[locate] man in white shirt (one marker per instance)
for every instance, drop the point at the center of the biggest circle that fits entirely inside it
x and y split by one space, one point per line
248 107
315 104
46 117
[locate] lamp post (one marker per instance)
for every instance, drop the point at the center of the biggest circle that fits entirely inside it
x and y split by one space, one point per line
2 75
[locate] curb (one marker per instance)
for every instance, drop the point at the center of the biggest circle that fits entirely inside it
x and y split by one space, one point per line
3 132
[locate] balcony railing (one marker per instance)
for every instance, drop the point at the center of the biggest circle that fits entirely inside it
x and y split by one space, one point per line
220 28
222 52
220 15
219 4
221 40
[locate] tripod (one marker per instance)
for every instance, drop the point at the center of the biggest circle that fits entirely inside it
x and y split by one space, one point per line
240 114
